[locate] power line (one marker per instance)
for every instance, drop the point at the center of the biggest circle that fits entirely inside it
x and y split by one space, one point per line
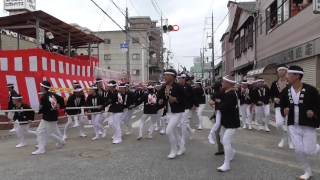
121 11
133 6
222 21
115 22
155 7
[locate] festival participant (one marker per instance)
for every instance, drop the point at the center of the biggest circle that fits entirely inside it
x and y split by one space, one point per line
245 105
174 97
230 120
200 102
130 101
23 118
11 92
215 130
116 112
277 88
75 100
97 103
50 103
189 102
299 102
261 99
150 110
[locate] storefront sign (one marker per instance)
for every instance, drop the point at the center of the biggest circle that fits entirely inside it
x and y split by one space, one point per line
10 5
297 53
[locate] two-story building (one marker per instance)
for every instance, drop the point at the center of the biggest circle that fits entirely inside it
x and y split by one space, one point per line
288 33
238 43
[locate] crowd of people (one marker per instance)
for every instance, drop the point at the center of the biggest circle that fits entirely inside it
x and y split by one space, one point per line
170 105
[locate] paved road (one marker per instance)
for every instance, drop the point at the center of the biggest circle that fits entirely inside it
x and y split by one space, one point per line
82 159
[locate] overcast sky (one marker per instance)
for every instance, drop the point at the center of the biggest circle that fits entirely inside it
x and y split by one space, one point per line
188 14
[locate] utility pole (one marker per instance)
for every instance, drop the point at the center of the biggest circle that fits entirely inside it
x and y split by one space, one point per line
128 42
202 62
212 63
161 50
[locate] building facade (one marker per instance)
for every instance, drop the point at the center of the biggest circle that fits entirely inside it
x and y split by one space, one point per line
145 46
267 33
288 34
238 43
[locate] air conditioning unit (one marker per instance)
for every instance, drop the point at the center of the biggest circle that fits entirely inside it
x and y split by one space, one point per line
316 6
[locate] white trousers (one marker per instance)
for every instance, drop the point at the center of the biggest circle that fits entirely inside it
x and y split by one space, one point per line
245 113
97 124
198 115
217 123
143 119
304 140
174 119
22 130
116 119
72 119
262 114
185 127
281 124
126 118
48 129
226 139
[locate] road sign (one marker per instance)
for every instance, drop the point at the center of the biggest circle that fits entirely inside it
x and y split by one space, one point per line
124 46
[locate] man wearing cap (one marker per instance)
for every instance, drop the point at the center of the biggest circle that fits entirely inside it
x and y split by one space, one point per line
129 104
189 102
23 118
230 120
299 102
276 89
174 97
116 108
50 103
11 92
245 105
261 100
97 103
76 100
150 110
200 102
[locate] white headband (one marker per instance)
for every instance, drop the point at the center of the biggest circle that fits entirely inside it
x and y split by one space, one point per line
295 72
229 80
122 86
99 80
171 73
282 68
78 90
45 86
18 97
111 85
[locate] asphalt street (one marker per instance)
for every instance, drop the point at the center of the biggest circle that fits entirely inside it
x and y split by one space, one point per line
257 158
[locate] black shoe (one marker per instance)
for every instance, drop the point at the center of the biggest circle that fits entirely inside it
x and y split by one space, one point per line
219 153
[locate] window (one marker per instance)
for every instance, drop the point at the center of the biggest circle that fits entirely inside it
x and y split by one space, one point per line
271 16
261 24
136 72
107 41
135 40
283 10
250 35
299 5
135 56
107 57
237 47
